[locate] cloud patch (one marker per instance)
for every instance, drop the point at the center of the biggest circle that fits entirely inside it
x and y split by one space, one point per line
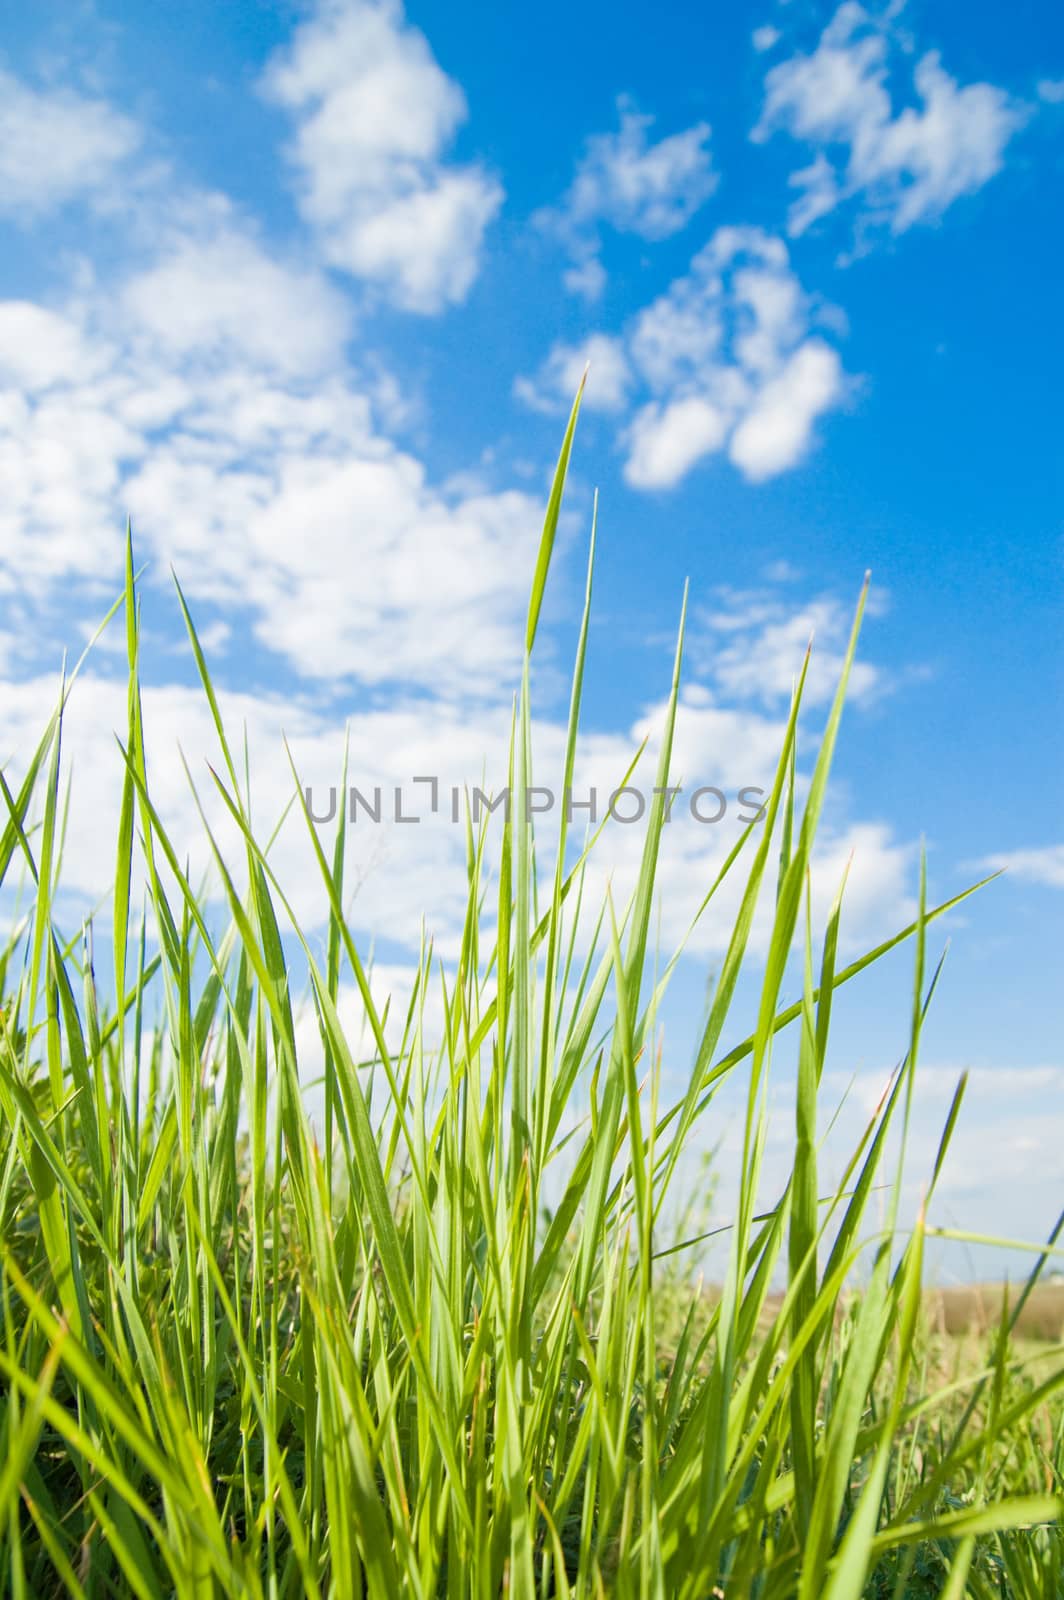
899 165
398 873
57 145
729 359
210 396
1044 865
609 377
374 117
750 646
632 184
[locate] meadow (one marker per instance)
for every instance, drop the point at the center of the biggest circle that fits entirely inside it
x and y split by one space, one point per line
248 1353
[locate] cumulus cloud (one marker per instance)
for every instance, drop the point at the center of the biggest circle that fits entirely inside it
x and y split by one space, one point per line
902 165
208 390
665 441
239 429
634 185
399 874
56 145
206 351
586 279
775 431
374 116
726 359
728 352
247 452
224 293
39 347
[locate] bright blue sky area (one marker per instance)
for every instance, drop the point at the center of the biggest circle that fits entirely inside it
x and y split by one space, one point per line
244 246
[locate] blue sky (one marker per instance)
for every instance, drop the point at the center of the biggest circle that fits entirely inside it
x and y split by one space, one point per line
305 291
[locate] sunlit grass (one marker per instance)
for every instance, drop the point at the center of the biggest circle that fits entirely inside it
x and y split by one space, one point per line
243 1354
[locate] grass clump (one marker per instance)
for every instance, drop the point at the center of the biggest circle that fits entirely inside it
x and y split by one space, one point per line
239 1359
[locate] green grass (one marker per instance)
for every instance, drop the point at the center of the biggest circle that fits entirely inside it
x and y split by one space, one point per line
244 1356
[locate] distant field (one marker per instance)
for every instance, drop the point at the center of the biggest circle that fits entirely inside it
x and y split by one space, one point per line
965 1309
973 1308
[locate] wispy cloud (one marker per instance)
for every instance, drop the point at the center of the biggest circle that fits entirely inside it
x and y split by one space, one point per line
1044 865
899 166
750 646
632 184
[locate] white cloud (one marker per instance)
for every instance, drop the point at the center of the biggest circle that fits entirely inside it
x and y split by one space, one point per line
234 431
730 749
398 874
765 37
423 245
726 352
391 986
203 355
633 185
999 1172
819 193
1006 1123
374 117
554 386
775 432
652 190
1043 866
39 348
750 645
727 357
665 442
907 165
56 145
225 294
208 390
62 453
587 279
352 566
1051 90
